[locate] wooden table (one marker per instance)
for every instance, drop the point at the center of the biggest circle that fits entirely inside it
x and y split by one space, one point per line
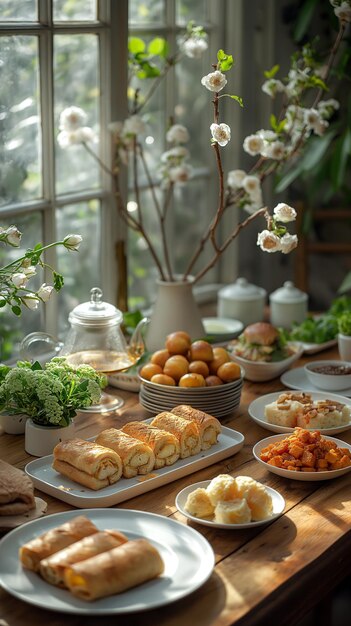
273 574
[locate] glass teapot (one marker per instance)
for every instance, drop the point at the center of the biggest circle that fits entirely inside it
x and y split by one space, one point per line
95 338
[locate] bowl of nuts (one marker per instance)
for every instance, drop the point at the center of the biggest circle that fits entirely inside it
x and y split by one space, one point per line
190 372
329 375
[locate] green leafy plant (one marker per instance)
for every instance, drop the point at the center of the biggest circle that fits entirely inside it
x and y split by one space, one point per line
50 395
344 323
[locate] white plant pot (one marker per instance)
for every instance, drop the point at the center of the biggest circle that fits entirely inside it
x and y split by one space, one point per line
13 424
344 345
41 440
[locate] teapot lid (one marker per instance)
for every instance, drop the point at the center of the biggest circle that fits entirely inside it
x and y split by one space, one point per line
95 311
242 290
288 293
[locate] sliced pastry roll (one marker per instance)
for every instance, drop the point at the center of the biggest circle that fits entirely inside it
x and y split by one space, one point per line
53 540
209 426
114 571
87 463
137 457
186 432
52 568
165 445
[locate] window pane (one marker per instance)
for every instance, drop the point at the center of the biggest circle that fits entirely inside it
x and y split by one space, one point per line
81 270
24 10
20 138
146 11
74 10
76 84
13 328
188 10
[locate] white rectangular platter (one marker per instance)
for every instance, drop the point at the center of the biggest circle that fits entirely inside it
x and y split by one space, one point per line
49 481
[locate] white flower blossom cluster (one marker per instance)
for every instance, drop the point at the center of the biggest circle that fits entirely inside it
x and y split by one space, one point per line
278 239
73 130
250 186
174 167
193 45
342 9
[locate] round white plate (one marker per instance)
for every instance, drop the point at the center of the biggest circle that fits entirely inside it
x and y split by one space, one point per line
294 475
123 380
297 379
222 328
188 558
277 499
256 411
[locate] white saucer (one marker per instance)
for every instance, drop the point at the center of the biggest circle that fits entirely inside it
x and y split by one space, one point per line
222 328
297 379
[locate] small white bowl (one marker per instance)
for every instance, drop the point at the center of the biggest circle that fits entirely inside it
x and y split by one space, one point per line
328 381
260 371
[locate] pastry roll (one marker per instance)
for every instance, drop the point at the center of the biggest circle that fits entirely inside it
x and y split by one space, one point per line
114 571
52 568
87 463
53 540
209 426
137 457
186 432
16 491
164 445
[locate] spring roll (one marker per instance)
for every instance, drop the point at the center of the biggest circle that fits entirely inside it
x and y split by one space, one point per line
186 432
137 457
209 426
87 463
16 491
53 540
117 570
52 568
164 444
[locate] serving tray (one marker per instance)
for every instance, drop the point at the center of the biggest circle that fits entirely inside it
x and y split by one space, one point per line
49 481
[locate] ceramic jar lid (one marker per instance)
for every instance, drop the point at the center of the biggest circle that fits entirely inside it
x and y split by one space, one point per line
242 290
288 294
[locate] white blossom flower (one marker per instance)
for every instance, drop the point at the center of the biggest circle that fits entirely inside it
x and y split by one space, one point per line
284 213
253 144
272 86
268 241
30 302
235 178
28 270
177 134
72 118
215 81
81 135
327 107
288 243
19 279
45 291
194 47
343 12
180 174
220 133
311 117
72 242
274 150
176 153
13 236
251 184
267 135
134 125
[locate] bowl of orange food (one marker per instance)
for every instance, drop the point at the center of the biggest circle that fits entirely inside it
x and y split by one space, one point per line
190 372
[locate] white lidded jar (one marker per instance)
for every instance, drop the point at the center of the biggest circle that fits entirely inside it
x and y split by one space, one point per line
242 301
288 304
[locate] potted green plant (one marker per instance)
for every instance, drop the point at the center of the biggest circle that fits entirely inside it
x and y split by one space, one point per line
344 336
49 397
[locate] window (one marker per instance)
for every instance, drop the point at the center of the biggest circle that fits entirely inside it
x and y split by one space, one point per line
58 53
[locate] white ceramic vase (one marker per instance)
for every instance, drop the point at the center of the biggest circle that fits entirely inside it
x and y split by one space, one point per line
13 424
175 309
41 440
344 345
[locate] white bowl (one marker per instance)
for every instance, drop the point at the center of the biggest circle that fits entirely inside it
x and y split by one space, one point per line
325 381
260 371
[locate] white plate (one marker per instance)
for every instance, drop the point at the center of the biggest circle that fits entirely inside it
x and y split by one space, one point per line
295 475
188 558
256 411
48 480
297 379
222 328
277 499
313 348
123 380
